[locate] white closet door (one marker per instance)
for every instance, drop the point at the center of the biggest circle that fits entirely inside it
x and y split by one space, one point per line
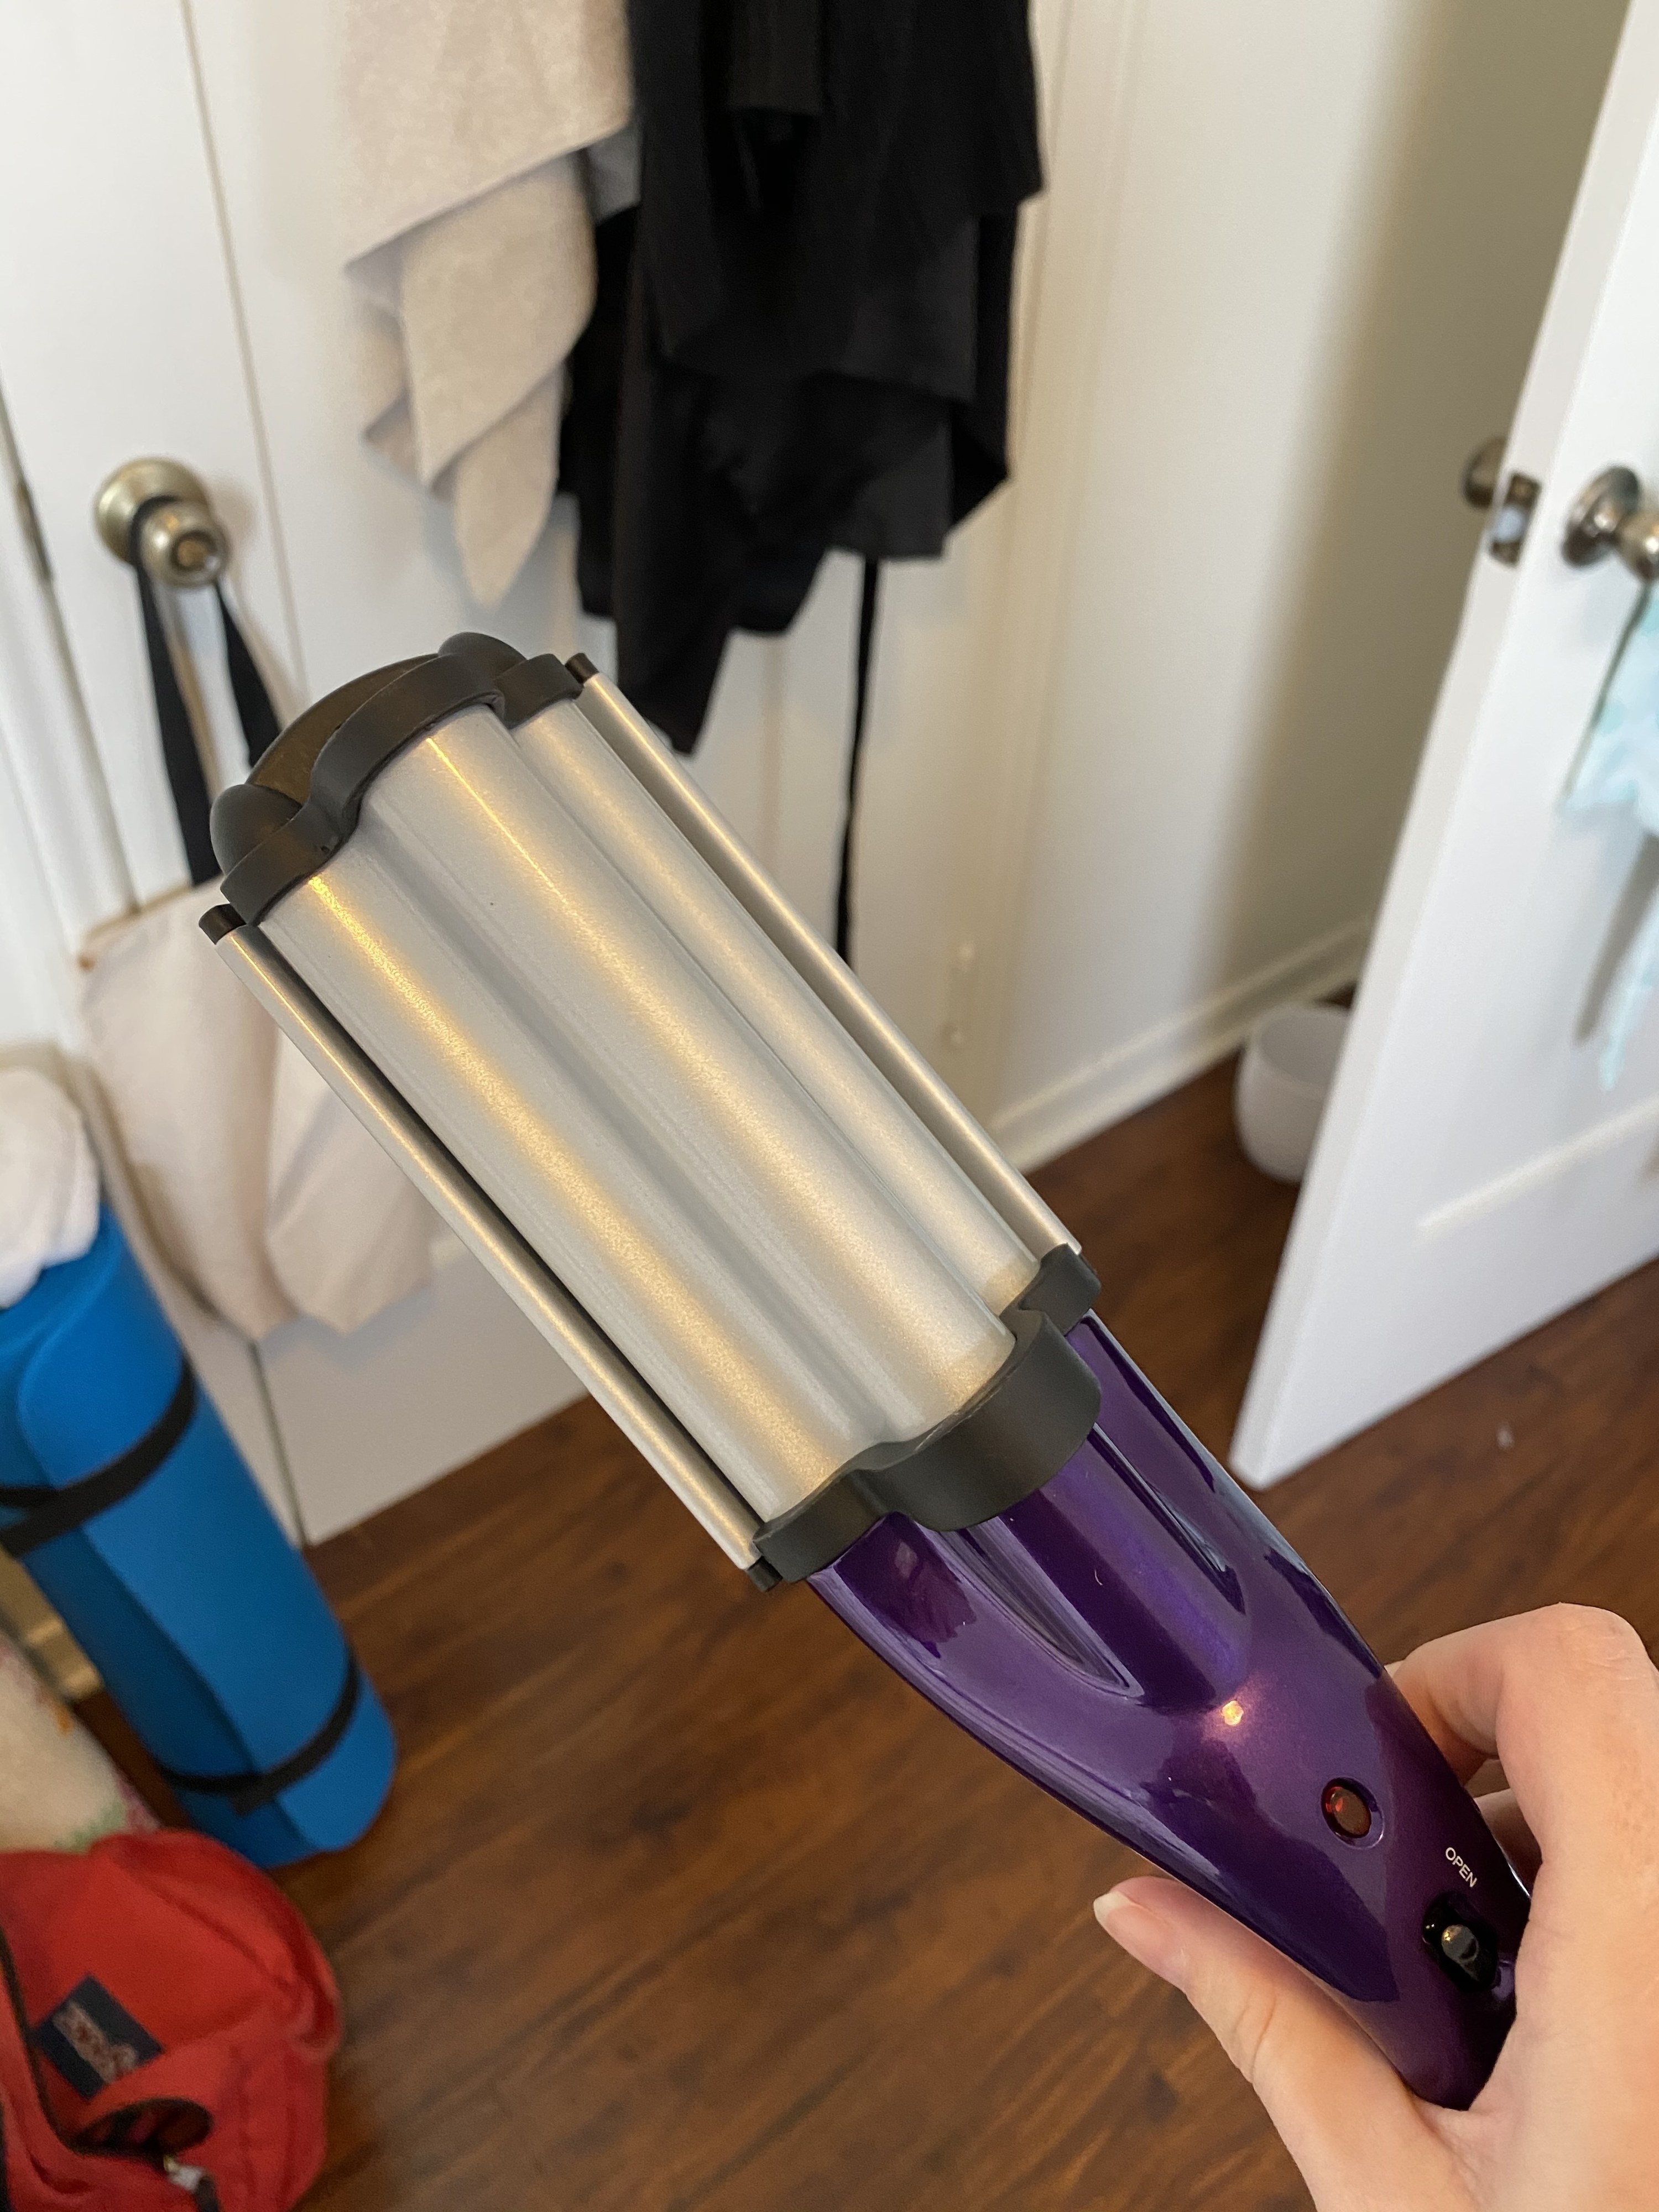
1471 1177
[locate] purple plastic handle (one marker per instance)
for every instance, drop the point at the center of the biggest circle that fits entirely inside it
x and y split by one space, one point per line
1137 1638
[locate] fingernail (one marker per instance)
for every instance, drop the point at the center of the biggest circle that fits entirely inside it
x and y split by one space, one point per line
1148 1939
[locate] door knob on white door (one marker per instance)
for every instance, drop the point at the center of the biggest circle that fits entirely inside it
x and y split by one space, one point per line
180 540
1611 516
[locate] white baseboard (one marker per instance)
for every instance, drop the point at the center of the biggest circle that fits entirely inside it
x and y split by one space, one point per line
1133 1074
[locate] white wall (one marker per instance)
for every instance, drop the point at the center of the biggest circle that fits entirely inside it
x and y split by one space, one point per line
1290 289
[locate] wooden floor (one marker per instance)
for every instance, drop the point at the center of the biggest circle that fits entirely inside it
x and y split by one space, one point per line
683 1901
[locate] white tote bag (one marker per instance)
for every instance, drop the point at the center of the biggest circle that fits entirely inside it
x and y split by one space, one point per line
262 1193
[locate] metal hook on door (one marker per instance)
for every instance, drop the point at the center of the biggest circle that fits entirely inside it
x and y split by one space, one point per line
1609 517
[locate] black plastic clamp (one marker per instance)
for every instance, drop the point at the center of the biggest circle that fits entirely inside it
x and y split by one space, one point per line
1007 1442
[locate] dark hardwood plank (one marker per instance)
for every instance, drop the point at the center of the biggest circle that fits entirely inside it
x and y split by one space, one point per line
103 1718
683 1901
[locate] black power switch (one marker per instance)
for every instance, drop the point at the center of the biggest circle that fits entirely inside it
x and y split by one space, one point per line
1464 1946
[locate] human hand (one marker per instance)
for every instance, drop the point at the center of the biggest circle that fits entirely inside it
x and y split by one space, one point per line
1568 1700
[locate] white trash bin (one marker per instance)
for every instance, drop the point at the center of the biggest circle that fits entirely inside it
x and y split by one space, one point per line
1284 1077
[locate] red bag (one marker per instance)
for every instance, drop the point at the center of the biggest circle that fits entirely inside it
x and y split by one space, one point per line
168 2029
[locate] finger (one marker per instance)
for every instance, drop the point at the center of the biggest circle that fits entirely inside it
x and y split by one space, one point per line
1568 1699
1503 1816
1355 2131
1465 1759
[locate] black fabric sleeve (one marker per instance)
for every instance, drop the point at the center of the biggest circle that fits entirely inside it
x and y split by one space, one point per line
775 56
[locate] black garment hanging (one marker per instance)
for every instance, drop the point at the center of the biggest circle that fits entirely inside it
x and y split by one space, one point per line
801 339
179 752
809 347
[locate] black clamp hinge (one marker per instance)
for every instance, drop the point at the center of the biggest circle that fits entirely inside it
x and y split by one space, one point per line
1007 1442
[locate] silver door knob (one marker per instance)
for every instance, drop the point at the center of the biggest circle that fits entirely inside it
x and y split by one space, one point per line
181 541
1611 517
1481 471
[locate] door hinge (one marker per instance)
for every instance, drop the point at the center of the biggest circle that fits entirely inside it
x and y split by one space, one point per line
29 522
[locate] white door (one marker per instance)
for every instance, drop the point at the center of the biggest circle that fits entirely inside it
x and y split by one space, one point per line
122 332
1471 1177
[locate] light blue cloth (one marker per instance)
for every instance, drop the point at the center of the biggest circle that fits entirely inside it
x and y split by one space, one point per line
1619 767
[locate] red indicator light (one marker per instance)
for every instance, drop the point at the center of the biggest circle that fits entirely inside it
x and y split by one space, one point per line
1346 1810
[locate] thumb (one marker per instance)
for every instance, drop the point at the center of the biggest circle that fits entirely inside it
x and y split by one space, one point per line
1356 2132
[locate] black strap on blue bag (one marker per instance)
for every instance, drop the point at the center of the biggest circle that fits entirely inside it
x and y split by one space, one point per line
250 1792
48 1513
179 752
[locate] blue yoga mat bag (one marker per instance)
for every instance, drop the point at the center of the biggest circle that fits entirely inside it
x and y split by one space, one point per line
123 1496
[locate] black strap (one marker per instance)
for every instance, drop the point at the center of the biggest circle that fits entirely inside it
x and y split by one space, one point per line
49 1513
179 751
855 753
258 717
248 1792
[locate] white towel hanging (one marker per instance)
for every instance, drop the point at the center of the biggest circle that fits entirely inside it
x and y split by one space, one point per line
470 242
